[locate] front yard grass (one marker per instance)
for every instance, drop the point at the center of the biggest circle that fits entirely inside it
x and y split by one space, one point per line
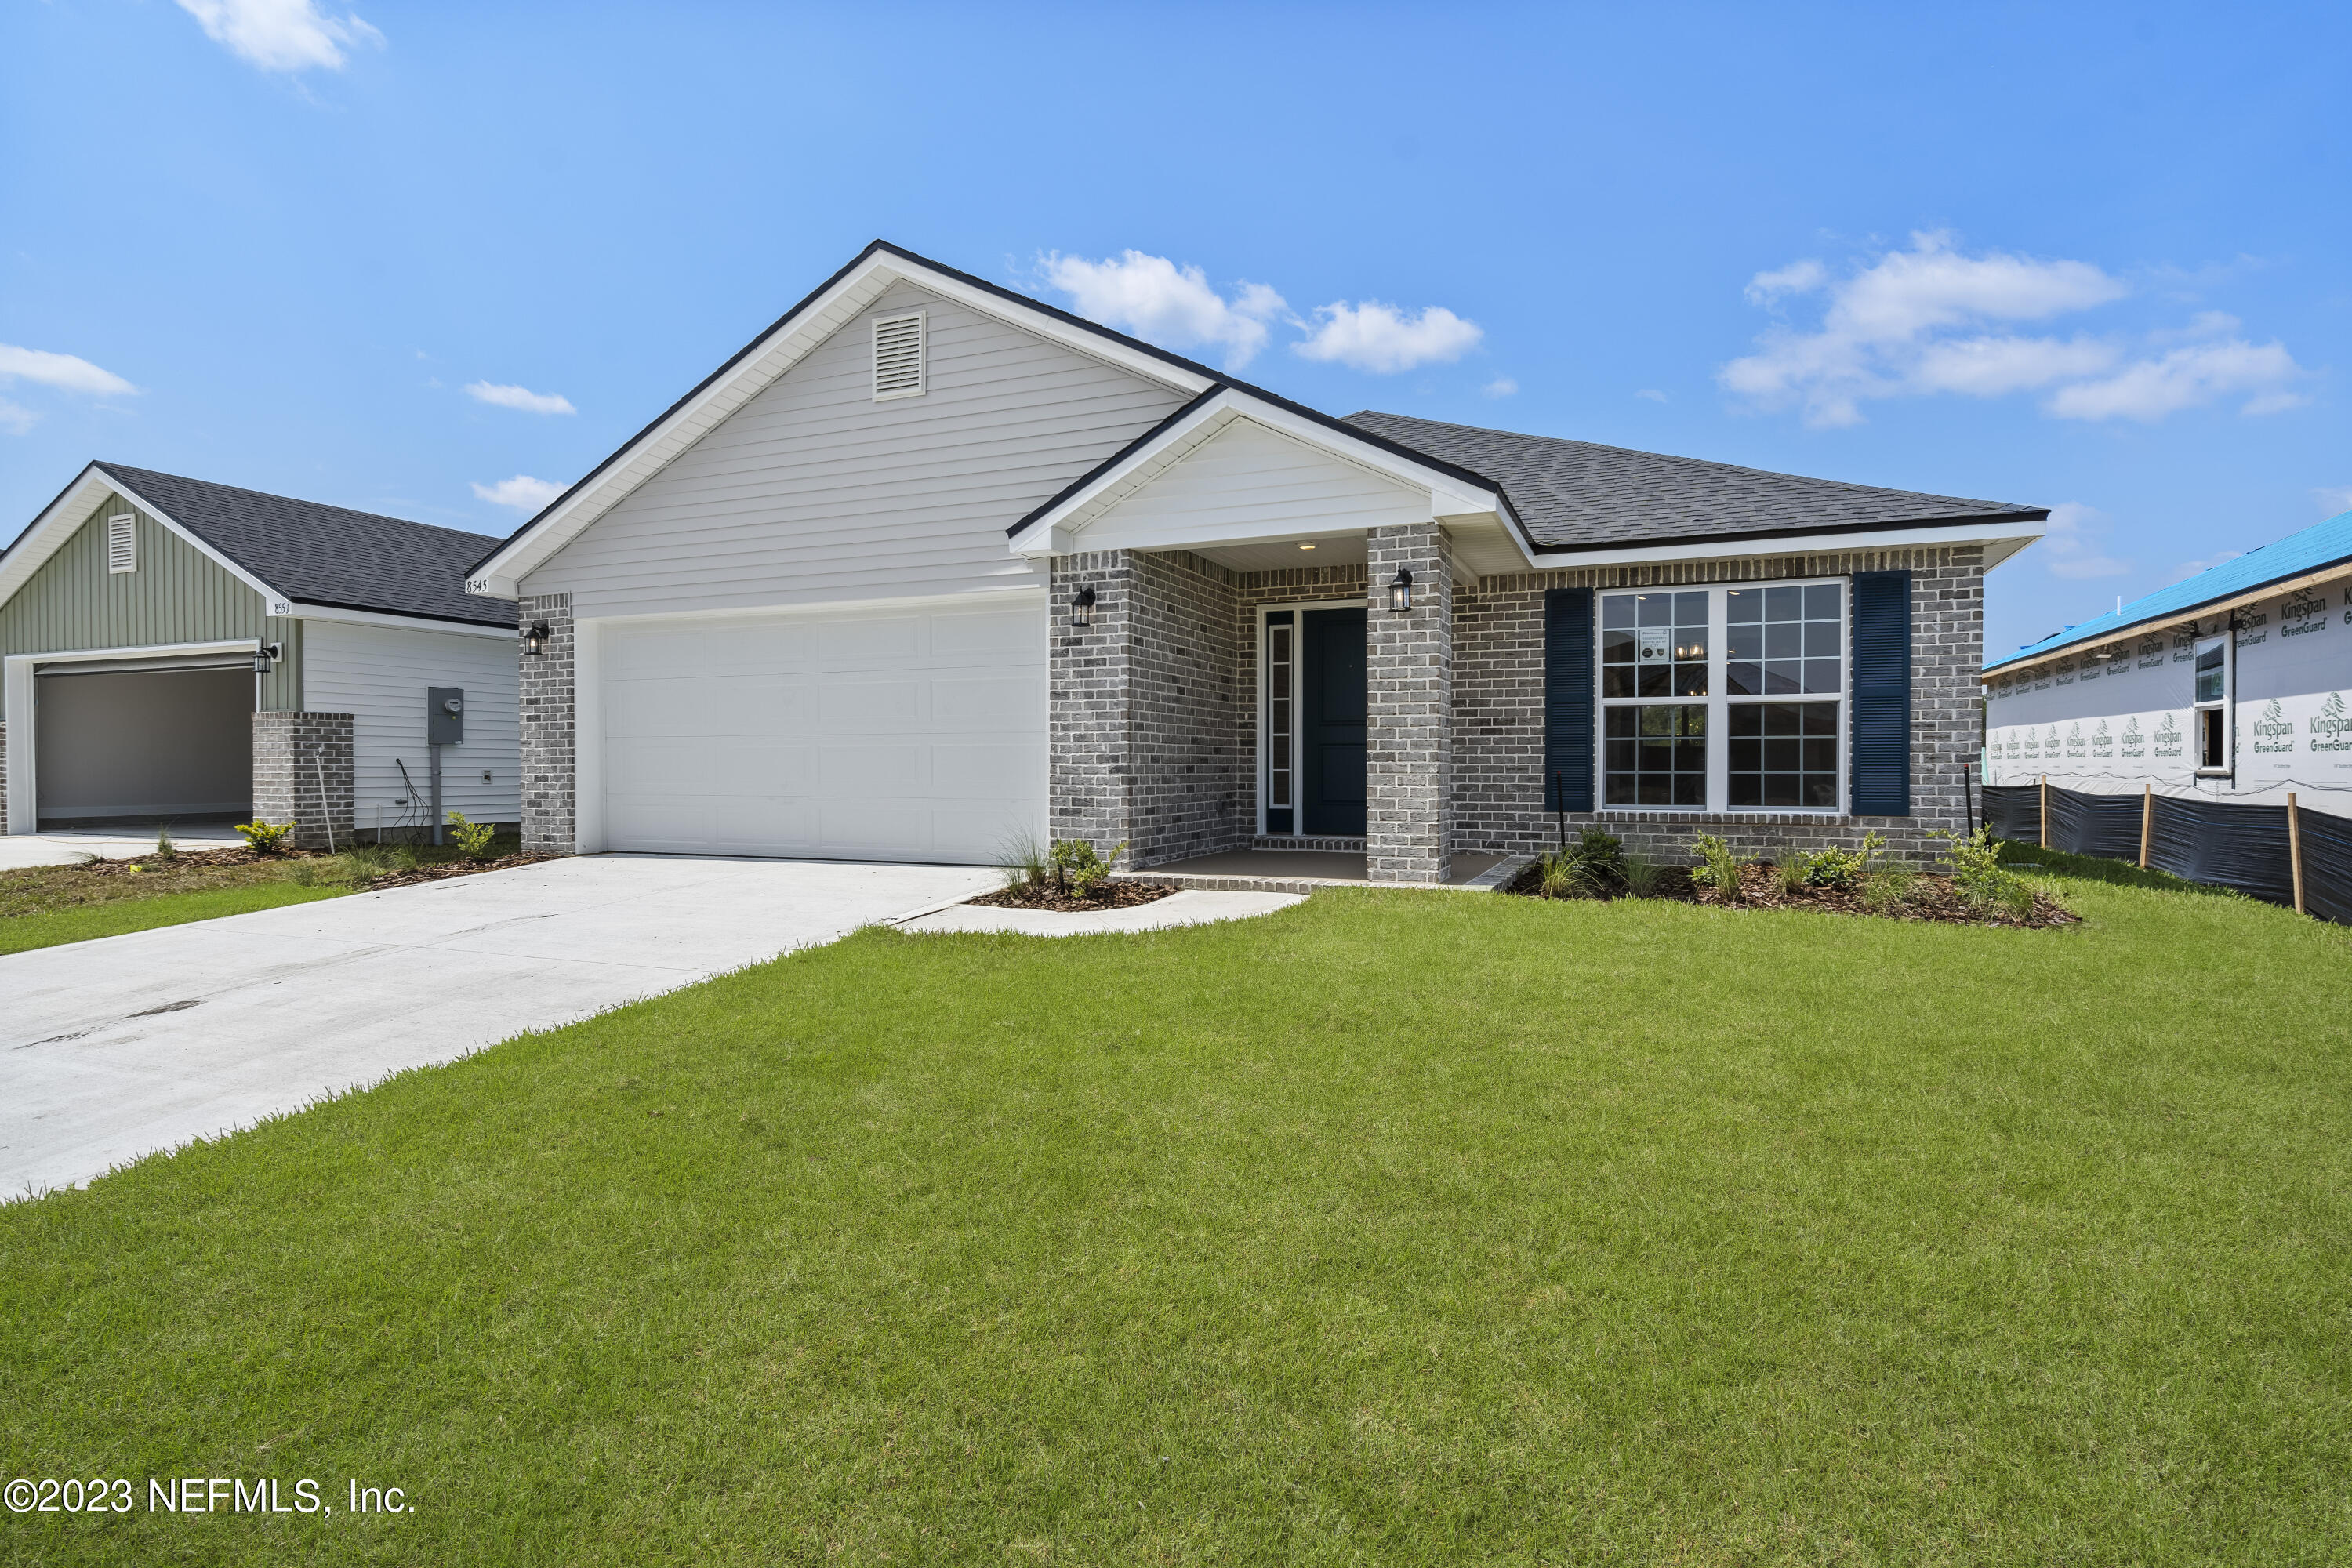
1394 1229
41 905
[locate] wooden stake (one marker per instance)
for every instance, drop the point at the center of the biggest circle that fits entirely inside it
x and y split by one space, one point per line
2046 811
2294 846
2146 820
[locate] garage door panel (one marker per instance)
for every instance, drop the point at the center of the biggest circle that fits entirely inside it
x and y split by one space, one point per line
987 702
912 734
867 642
994 636
875 706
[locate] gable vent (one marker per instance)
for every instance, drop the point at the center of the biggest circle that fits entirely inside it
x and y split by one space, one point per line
899 356
122 542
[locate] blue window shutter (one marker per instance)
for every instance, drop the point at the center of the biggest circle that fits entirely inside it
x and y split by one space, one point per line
1568 698
1882 694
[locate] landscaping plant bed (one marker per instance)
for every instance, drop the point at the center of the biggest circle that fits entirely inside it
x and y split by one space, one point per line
1106 896
153 865
435 873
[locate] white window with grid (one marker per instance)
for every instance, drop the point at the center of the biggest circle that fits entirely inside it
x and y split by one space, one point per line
1724 698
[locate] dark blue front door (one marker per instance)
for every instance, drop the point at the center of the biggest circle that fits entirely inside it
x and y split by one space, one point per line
1331 682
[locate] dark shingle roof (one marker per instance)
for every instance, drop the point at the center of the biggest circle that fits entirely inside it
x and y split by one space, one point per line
328 555
1574 493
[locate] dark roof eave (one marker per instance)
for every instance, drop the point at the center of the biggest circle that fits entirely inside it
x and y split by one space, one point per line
1806 531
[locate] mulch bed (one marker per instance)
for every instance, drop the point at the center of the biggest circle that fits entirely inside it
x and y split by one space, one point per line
242 855
1933 897
1041 896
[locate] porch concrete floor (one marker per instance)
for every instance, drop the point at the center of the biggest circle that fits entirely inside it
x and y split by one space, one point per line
1324 865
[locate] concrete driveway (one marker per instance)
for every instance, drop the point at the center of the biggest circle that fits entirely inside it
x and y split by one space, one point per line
114 1048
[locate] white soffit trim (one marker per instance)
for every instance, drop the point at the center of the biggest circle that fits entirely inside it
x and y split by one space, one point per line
401 623
1053 531
2012 537
757 369
59 520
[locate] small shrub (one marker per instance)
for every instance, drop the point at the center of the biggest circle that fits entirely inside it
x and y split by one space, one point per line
2014 899
165 848
373 860
1888 890
1717 867
266 838
1642 877
1078 870
1991 888
1026 860
1592 868
1789 876
473 838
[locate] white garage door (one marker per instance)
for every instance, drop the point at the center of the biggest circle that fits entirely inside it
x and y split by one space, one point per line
902 734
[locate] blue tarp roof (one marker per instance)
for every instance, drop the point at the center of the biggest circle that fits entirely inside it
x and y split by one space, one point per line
2322 545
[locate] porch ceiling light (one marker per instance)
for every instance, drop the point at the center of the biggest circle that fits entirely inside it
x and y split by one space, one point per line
1082 607
1307 547
1401 591
264 655
534 641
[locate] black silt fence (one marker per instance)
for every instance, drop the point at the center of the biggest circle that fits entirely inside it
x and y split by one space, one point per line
2215 842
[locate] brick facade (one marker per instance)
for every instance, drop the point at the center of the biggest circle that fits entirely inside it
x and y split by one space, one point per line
549 781
1500 795
302 775
1409 689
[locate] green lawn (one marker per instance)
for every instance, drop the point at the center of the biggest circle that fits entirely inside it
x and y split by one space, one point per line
80 922
1396 1228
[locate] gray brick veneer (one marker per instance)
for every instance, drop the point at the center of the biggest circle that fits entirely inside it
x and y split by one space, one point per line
1499 792
1409 687
549 816
302 775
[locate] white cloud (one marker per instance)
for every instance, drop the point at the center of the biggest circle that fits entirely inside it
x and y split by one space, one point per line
69 372
2187 378
520 397
1651 394
16 418
2073 544
1163 304
1933 320
2334 497
1501 386
1382 340
522 493
280 35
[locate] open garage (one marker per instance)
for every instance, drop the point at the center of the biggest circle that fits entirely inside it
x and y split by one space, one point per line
165 742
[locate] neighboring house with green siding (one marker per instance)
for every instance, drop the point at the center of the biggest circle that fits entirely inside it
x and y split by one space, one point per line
176 650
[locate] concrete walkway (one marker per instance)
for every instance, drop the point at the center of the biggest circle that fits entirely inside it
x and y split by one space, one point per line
1191 907
19 850
114 1048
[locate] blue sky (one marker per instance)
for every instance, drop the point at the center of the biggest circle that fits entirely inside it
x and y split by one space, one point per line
2089 258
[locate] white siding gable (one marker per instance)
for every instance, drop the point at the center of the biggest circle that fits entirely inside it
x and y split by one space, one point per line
378 674
1250 482
814 493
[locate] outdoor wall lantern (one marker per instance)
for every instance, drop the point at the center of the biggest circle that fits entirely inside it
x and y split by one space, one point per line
534 641
1401 591
1082 608
265 654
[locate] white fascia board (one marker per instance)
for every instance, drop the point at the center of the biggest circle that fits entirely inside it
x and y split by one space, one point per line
48 532
2018 535
1056 531
759 367
401 623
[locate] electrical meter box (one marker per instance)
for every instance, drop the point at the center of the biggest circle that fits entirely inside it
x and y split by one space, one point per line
445 715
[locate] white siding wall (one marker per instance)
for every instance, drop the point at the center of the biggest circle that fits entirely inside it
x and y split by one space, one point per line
379 675
814 493
1248 482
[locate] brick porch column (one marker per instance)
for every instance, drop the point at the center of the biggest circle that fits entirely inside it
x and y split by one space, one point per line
302 775
548 719
1090 705
1409 687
